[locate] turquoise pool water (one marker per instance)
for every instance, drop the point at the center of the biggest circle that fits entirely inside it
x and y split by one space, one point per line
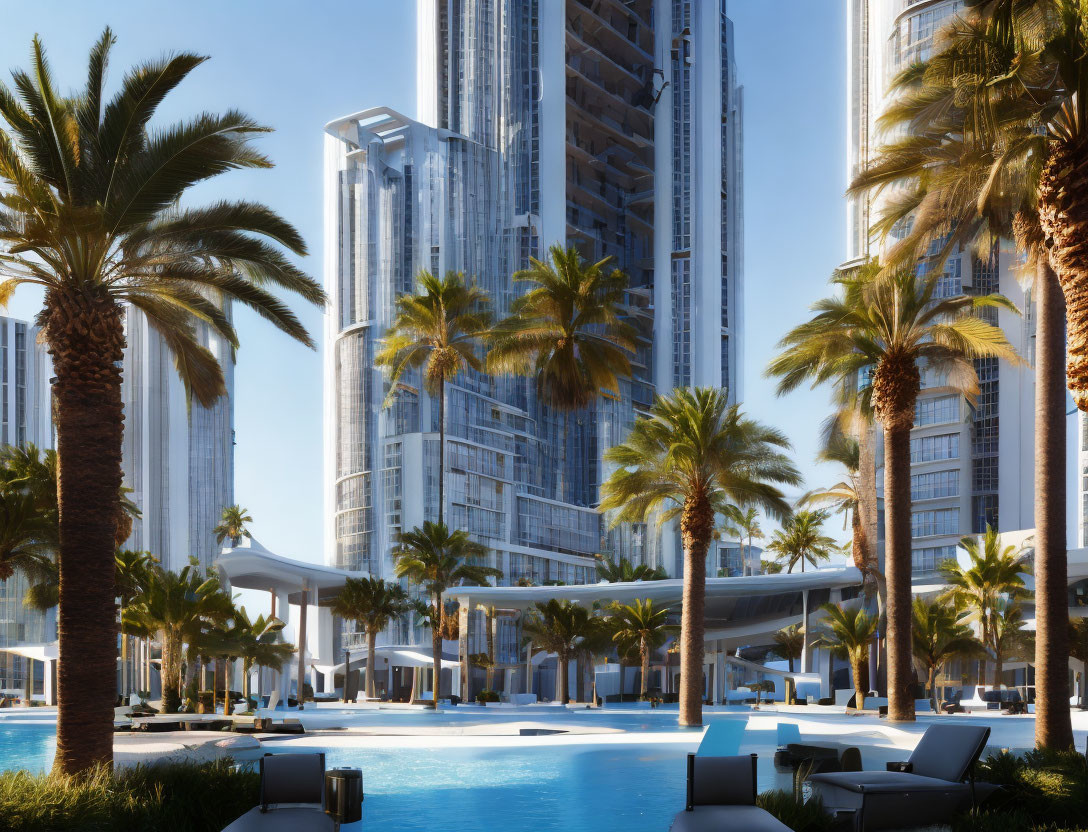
591 786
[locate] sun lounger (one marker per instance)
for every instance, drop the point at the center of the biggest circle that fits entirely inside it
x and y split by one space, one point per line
928 789
722 798
722 738
292 796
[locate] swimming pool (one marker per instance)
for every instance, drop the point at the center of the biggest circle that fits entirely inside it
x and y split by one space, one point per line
632 780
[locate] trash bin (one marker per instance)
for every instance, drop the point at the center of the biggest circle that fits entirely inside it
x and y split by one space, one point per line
344 795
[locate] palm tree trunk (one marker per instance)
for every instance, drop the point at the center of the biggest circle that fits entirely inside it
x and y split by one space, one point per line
1052 724
371 639
932 681
490 649
124 667
171 670
561 490
696 528
897 567
87 340
644 654
436 649
246 667
441 472
563 671
859 688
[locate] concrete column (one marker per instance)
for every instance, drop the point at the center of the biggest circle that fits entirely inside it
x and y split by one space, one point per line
806 652
282 678
462 646
303 606
719 677
50 689
529 667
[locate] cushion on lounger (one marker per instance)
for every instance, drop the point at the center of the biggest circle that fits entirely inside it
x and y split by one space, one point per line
727 819
947 752
875 782
721 781
292 778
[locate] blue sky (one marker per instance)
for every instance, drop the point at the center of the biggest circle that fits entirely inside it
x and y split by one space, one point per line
296 66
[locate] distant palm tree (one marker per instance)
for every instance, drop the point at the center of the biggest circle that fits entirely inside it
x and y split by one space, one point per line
440 330
132 576
693 455
790 643
994 576
644 623
622 571
93 216
374 604
1010 639
558 627
27 538
846 632
235 519
939 633
568 333
801 539
744 524
435 559
259 644
882 327
179 606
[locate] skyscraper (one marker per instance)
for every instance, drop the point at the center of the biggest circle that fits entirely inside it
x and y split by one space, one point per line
612 126
25 371
971 465
178 455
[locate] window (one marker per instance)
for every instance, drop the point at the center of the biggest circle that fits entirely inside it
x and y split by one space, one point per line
929 523
931 448
936 410
934 484
928 558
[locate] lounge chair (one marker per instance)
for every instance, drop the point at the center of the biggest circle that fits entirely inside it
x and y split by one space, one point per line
722 798
928 789
292 796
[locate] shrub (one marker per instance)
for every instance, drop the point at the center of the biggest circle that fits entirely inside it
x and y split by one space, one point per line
487 696
174 797
1042 791
798 814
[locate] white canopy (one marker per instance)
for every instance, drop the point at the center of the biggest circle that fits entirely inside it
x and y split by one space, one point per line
397 656
39 652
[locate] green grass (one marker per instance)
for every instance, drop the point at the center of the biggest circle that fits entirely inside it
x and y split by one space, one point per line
176 797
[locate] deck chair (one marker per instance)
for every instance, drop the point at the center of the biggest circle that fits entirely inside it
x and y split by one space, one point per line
292 796
722 798
927 789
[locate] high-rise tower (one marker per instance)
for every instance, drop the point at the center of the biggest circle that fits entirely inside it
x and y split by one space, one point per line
612 126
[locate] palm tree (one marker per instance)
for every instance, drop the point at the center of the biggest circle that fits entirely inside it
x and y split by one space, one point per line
568 333
235 519
558 627
91 215
440 330
644 623
619 571
258 643
994 576
179 606
131 578
27 537
373 603
883 326
744 524
801 539
693 455
939 632
846 632
1009 637
790 643
435 559
988 119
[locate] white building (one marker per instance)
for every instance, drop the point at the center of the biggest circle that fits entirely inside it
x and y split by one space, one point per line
178 455
971 466
611 126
